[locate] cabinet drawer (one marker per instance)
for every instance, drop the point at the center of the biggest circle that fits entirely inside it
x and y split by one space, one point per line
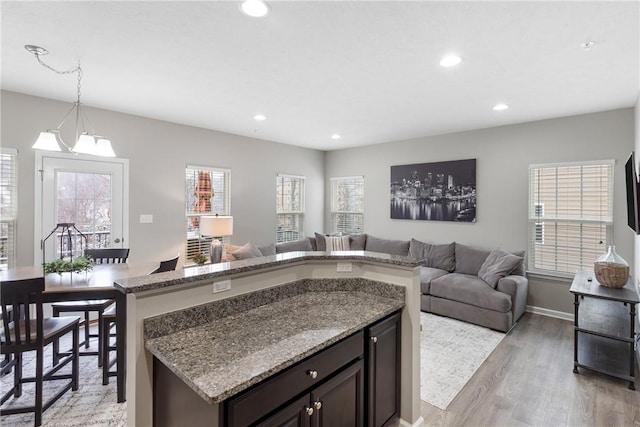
274 392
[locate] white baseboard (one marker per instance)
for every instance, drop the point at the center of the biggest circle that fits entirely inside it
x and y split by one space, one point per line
419 423
550 313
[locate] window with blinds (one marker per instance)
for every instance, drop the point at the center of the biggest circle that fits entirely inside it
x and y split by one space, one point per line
347 204
289 208
570 215
9 207
206 193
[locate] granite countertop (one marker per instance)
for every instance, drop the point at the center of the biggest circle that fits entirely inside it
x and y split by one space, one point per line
225 356
211 271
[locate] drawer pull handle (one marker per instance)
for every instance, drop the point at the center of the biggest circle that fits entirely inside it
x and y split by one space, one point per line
374 339
317 404
309 411
313 374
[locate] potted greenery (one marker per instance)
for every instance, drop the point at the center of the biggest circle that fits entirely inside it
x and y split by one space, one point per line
81 264
199 258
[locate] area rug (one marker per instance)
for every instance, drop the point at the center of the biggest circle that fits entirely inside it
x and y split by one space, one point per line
450 352
93 404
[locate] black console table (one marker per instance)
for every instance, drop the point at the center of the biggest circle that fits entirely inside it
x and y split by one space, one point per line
604 327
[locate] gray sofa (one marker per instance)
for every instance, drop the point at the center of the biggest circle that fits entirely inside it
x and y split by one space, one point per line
480 286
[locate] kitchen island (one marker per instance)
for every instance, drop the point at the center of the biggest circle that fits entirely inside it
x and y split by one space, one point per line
279 311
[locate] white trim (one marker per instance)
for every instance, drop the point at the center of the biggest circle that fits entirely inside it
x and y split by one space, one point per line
37 193
346 177
286 175
419 423
550 313
611 162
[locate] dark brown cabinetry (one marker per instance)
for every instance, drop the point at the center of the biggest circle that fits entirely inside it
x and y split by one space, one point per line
383 362
352 383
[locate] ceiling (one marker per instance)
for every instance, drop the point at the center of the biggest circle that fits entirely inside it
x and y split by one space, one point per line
367 70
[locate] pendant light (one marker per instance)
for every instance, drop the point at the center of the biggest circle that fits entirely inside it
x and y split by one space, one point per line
86 142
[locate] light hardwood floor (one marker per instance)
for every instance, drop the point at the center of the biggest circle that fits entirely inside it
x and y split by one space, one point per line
528 381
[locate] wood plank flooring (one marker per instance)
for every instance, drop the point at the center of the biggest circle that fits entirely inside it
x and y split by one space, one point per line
529 381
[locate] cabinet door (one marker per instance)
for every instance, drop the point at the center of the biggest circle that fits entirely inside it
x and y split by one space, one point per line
340 402
296 414
383 382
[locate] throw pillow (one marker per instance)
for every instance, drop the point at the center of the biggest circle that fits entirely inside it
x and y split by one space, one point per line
247 251
498 265
469 259
436 256
337 243
266 250
386 246
321 242
357 242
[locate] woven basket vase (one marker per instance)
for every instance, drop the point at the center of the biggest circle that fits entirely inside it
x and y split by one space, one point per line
611 275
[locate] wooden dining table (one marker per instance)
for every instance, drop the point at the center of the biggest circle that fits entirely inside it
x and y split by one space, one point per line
97 284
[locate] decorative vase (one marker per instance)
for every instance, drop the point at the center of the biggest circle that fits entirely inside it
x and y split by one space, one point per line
611 269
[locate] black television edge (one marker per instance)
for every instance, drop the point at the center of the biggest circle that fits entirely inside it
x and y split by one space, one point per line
633 211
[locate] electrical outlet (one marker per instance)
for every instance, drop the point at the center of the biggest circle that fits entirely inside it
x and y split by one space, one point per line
344 266
146 219
221 286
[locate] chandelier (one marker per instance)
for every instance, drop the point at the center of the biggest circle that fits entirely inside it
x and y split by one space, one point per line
86 140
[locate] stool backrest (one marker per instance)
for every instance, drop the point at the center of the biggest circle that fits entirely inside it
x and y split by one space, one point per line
108 255
168 265
17 296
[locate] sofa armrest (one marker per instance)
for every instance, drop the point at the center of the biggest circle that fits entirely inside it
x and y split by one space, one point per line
518 288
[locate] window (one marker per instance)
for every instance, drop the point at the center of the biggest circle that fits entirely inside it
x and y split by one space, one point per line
206 193
347 204
9 210
570 215
289 208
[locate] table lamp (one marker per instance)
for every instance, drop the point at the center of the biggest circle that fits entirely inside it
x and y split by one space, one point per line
216 227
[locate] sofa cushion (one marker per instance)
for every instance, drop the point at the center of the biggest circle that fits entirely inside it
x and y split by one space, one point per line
498 265
321 242
357 242
337 243
469 259
427 274
436 256
249 250
386 246
297 245
521 269
266 250
471 290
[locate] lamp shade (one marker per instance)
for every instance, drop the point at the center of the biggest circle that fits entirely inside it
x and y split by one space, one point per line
103 148
216 226
86 144
47 141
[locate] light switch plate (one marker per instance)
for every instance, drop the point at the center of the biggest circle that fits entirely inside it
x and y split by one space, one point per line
146 219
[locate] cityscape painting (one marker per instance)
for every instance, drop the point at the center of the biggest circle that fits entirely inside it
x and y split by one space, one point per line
441 191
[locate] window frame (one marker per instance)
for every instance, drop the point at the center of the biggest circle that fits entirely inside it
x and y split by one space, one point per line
568 216
192 237
336 212
11 217
298 232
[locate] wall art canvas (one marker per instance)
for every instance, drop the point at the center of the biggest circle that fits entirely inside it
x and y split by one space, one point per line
440 191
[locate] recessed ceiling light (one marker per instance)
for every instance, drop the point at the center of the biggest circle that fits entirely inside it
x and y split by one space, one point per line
259 117
587 45
450 60
335 136
255 8
500 107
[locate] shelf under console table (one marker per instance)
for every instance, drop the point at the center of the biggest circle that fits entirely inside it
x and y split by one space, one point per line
604 327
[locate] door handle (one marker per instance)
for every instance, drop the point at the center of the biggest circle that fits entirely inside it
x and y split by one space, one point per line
116 240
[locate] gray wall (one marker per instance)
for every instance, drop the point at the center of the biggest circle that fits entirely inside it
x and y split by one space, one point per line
158 153
637 150
503 155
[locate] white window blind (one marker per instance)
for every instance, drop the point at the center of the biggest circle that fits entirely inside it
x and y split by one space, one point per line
570 215
206 193
289 208
347 204
9 209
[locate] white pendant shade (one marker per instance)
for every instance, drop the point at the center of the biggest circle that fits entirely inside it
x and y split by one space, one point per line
103 148
86 144
47 141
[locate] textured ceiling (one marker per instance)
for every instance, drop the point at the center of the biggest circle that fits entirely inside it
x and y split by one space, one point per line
367 70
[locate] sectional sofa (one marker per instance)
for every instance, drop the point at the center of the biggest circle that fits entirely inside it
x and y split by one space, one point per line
481 286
